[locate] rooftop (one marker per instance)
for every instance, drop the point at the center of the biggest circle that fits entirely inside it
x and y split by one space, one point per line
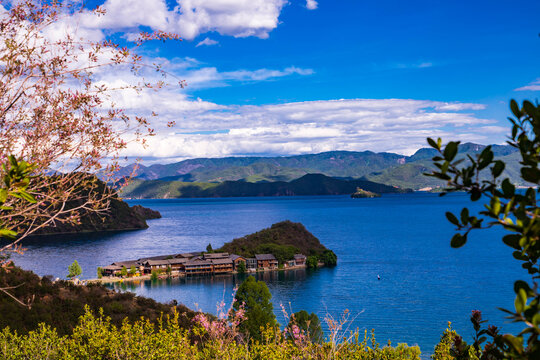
261 257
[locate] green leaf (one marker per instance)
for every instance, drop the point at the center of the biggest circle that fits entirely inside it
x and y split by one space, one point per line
536 319
496 206
514 342
458 240
498 168
450 150
26 196
520 301
8 234
3 195
530 174
464 216
12 160
519 256
452 218
508 188
520 284
515 108
432 143
485 158
512 241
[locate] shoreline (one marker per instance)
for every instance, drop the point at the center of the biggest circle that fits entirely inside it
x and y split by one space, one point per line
117 279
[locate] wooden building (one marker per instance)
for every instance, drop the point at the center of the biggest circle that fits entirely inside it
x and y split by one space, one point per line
237 259
198 266
266 261
221 266
155 265
208 256
299 259
111 270
251 263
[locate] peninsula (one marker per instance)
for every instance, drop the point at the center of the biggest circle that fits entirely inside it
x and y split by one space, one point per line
285 245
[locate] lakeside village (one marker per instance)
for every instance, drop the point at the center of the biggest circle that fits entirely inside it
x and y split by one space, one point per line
197 263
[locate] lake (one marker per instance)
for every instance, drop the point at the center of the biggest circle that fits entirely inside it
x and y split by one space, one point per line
404 238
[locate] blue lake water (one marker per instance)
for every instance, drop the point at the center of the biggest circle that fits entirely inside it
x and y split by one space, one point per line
403 238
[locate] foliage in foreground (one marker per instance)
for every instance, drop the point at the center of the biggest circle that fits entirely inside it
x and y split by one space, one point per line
95 337
515 211
60 304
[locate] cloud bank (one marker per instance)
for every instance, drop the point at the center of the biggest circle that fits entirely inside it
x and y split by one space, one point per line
311 4
534 86
189 18
393 125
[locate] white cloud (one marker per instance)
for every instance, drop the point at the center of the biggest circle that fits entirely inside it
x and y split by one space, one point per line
208 42
311 4
534 86
205 77
396 125
189 18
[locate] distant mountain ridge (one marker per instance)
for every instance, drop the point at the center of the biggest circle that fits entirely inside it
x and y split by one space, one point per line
387 168
332 163
310 184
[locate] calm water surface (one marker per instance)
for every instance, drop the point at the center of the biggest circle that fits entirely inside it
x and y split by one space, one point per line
403 238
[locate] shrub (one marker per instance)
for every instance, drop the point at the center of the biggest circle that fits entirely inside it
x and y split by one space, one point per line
95 337
514 211
329 258
253 299
311 262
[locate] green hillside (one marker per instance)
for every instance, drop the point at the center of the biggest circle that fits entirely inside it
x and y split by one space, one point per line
283 240
387 168
311 184
60 303
334 163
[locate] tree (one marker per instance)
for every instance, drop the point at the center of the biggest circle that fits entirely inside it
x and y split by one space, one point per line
302 323
329 258
124 271
254 298
58 121
209 248
74 270
99 272
132 270
168 270
241 267
517 212
312 262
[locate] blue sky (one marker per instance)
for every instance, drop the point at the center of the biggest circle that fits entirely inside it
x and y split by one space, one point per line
267 77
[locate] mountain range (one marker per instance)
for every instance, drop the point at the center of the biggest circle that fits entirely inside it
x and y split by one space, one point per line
200 176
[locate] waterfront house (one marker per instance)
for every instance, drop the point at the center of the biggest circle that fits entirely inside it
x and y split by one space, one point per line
198 266
299 259
290 263
208 256
220 266
111 270
237 259
176 264
266 261
129 264
251 263
155 265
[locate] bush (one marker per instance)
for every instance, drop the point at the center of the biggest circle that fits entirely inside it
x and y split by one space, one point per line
483 178
329 258
312 262
95 337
